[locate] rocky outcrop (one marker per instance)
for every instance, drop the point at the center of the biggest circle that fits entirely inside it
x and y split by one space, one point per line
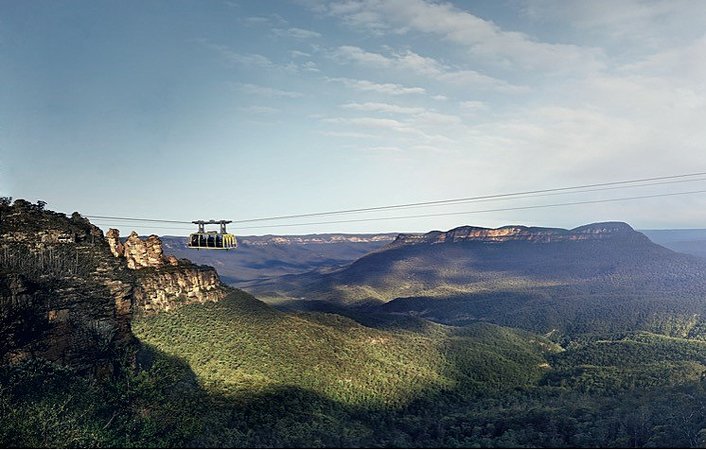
68 294
164 283
596 231
174 286
63 296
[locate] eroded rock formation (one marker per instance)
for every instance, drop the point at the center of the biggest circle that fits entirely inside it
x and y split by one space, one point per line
164 283
68 294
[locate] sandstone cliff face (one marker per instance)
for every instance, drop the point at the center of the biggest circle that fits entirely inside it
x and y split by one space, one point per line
63 296
164 283
597 231
68 294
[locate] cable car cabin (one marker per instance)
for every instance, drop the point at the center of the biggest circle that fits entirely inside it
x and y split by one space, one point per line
212 240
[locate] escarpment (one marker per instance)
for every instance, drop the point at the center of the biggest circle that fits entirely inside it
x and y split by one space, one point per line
164 283
596 231
68 294
63 296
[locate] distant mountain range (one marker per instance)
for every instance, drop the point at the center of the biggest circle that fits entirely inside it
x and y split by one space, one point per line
690 241
601 277
262 257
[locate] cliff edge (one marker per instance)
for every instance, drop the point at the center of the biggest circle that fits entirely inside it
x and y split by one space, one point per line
68 293
595 231
164 283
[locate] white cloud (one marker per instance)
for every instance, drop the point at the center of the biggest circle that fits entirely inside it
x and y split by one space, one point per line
356 54
383 107
348 134
251 60
254 60
299 54
429 67
384 148
435 118
266 91
637 23
411 131
480 37
473 105
382 88
257 109
296 33
372 122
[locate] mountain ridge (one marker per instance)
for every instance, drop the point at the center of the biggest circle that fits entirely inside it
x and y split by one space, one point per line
597 277
598 230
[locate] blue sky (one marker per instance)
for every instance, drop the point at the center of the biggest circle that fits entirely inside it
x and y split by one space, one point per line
232 109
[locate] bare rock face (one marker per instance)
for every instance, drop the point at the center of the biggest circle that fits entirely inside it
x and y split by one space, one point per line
174 286
68 294
596 231
113 238
63 296
165 283
138 253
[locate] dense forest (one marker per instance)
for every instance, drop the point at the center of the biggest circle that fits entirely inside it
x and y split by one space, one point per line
239 373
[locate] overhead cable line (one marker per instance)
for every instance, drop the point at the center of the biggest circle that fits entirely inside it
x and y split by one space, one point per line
517 208
682 178
468 199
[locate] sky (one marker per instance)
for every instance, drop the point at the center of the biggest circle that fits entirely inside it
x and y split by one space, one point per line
185 110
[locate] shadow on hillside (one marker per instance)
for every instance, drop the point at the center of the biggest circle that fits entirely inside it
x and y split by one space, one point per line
571 309
186 415
183 414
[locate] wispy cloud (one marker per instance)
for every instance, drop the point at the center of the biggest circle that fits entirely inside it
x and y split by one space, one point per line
384 148
347 134
473 105
414 129
382 88
266 91
299 54
258 109
296 33
422 116
383 107
409 61
372 122
480 37
257 61
231 56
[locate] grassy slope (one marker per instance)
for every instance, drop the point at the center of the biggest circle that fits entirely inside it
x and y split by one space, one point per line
241 346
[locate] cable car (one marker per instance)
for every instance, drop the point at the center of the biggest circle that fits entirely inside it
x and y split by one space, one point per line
212 240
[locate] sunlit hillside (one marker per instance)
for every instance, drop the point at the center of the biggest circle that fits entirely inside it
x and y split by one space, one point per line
242 347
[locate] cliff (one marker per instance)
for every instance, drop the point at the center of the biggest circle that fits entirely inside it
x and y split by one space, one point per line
596 231
63 296
164 283
68 294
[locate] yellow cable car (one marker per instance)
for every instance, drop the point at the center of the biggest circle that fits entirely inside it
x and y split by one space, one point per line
212 240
